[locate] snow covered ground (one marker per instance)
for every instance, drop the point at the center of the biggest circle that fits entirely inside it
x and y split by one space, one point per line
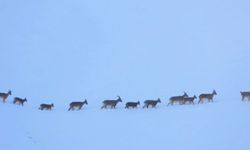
219 125
54 51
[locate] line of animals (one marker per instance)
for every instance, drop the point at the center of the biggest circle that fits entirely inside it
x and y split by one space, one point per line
181 100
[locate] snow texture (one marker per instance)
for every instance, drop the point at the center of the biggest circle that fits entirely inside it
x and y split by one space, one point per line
59 51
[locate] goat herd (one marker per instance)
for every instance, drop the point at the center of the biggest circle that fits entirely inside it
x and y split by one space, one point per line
181 100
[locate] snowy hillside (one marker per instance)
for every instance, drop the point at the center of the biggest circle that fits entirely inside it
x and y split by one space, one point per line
59 51
218 125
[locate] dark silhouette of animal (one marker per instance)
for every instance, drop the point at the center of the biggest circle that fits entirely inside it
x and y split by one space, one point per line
245 95
152 103
132 104
77 105
4 96
19 101
189 100
177 99
111 103
46 106
207 97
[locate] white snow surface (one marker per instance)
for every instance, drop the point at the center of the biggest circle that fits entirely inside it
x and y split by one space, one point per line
219 125
59 51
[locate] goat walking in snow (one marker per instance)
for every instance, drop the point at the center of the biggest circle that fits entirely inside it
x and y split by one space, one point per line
132 104
152 103
46 106
111 103
207 97
4 96
19 101
177 99
77 105
245 95
189 100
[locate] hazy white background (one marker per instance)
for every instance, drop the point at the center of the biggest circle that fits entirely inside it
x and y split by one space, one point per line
66 50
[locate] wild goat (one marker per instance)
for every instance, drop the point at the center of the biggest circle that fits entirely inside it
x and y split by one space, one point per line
19 101
4 96
132 104
151 103
111 103
46 106
209 97
177 99
245 95
77 105
189 100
